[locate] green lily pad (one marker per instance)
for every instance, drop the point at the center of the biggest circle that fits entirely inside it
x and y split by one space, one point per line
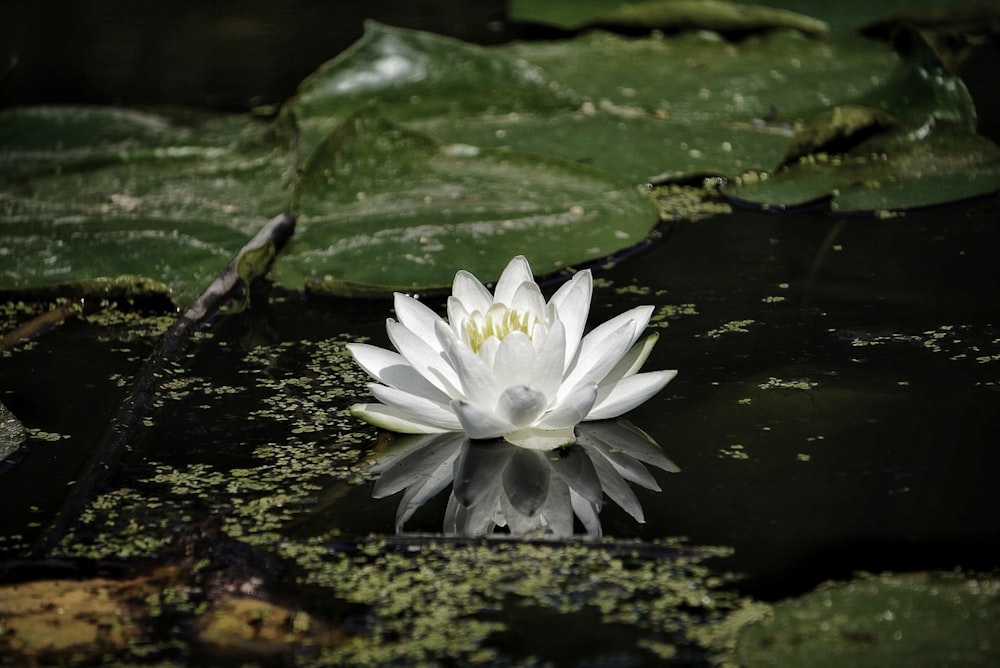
414 75
889 620
842 15
382 208
886 173
93 192
686 104
666 14
836 130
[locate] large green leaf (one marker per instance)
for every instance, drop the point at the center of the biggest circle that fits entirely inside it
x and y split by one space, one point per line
415 75
90 192
382 207
686 104
883 174
746 109
840 15
665 14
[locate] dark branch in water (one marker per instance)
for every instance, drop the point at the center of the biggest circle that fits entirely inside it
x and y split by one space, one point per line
250 264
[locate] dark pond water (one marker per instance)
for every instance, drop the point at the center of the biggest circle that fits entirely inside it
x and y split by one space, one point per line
835 411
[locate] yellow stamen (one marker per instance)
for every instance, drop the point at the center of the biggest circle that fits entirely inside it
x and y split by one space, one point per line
499 321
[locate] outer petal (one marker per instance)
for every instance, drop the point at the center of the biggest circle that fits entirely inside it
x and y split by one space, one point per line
479 422
514 274
478 384
421 408
572 410
598 354
392 369
521 405
633 360
388 417
417 318
572 303
428 362
626 394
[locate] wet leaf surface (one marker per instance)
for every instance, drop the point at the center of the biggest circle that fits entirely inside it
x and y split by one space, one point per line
382 207
915 618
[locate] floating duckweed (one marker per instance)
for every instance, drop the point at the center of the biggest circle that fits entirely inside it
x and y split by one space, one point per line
49 436
639 290
433 602
734 451
958 342
682 202
668 312
732 327
285 477
793 384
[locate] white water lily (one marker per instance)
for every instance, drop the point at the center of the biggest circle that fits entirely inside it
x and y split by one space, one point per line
508 364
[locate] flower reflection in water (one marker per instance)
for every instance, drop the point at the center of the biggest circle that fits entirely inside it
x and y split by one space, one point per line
528 492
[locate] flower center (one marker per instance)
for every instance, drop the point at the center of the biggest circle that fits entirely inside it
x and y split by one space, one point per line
499 321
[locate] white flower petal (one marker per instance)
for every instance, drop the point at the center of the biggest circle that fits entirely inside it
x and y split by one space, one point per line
417 318
599 352
488 351
514 274
428 362
421 408
471 292
540 439
391 418
572 303
478 384
458 313
528 299
621 397
514 363
392 369
480 422
572 410
549 360
521 405
633 360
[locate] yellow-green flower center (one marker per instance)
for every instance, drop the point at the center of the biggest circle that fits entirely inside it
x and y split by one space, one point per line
499 321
